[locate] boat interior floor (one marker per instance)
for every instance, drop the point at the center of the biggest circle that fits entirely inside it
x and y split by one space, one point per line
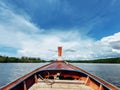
60 85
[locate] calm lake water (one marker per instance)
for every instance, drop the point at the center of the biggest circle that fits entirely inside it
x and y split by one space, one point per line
11 71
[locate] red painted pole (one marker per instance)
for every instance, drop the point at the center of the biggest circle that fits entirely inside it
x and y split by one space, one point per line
59 53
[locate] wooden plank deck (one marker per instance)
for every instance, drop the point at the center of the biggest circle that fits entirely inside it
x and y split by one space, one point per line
60 85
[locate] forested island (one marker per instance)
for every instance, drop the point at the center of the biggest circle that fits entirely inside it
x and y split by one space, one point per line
105 60
6 59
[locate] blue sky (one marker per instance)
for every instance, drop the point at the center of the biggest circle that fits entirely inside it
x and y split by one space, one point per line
86 29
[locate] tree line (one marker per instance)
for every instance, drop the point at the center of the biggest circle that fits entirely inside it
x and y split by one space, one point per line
105 60
6 59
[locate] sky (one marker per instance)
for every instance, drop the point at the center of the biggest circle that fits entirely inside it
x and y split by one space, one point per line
86 29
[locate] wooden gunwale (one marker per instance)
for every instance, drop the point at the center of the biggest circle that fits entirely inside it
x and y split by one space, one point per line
112 87
21 79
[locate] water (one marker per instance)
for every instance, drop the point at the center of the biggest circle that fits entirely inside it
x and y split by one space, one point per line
11 71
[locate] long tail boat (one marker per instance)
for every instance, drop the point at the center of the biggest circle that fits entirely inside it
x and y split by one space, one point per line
59 75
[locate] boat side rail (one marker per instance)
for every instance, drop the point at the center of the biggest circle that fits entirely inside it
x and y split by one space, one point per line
24 84
20 80
96 78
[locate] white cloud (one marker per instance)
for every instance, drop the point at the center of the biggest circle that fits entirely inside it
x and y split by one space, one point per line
113 42
12 25
18 32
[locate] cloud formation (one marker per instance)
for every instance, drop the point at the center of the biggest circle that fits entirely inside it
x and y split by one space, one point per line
113 42
22 37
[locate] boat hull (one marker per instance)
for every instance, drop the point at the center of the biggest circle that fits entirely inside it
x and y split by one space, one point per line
59 70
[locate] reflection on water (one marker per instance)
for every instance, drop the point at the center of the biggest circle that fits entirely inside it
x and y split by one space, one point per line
12 71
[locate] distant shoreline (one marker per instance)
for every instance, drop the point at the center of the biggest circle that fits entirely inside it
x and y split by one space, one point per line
6 59
106 60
